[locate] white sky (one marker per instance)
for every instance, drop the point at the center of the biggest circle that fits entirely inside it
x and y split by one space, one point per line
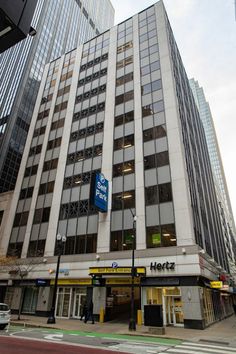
205 31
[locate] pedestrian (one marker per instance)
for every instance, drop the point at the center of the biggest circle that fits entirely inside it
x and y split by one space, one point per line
84 311
90 315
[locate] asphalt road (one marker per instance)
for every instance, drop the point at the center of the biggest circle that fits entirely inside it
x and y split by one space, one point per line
11 345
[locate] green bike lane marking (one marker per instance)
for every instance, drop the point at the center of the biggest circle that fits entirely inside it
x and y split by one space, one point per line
167 341
131 337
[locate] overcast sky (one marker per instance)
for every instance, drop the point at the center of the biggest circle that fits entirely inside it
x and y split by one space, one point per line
205 31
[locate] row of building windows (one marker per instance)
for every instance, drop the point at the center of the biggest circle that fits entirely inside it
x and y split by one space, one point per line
124 97
123 168
84 154
76 209
78 180
89 111
90 93
58 124
124 142
41 215
123 200
124 79
94 62
82 133
154 133
30 171
92 77
59 107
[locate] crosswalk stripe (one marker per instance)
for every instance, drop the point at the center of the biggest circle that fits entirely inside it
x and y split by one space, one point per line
210 346
185 351
208 350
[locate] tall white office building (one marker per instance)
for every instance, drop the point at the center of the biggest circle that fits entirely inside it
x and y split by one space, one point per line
120 105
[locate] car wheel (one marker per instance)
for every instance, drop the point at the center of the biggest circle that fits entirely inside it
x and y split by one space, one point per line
2 326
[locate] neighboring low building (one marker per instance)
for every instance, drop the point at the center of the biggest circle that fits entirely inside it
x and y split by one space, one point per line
127 111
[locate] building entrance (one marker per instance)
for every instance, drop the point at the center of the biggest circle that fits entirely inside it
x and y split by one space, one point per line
172 311
118 302
79 301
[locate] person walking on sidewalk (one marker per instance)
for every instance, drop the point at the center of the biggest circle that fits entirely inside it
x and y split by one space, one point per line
90 313
84 311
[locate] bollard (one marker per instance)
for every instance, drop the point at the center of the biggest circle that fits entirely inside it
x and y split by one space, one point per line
139 317
101 317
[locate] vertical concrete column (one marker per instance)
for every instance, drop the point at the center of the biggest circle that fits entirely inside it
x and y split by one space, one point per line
192 308
56 201
40 165
179 178
99 299
103 241
139 166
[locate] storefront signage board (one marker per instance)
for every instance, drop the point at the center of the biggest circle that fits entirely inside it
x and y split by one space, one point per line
72 282
121 281
162 266
216 284
118 270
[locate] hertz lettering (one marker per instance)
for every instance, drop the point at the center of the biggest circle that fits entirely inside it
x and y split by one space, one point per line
162 266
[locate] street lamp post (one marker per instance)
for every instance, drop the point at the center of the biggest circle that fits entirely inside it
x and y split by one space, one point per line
132 321
61 241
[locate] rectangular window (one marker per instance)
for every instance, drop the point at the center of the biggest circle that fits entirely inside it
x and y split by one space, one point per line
124 47
54 143
156 160
154 133
58 124
125 200
41 215
122 63
30 171
35 150
125 97
124 118
123 79
161 236
46 188
124 142
50 165
122 240
124 168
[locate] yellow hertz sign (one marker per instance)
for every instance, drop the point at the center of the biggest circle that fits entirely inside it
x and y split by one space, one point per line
216 284
118 270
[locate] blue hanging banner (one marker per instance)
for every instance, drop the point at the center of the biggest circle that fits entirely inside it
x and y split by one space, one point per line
99 192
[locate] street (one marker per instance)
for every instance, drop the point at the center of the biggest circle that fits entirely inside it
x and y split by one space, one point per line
26 346
37 340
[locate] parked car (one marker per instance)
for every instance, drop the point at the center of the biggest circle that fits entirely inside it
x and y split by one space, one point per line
5 315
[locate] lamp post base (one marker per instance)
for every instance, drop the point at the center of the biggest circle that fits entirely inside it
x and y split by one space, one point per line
132 325
51 320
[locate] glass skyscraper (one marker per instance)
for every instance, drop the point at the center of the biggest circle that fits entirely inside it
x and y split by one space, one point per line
61 26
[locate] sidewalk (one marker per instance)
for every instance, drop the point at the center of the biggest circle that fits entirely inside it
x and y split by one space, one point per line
223 332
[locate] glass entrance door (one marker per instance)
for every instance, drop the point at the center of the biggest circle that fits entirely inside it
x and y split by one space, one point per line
79 301
30 300
63 302
173 312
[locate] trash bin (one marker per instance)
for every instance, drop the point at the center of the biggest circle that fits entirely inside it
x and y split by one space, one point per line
153 315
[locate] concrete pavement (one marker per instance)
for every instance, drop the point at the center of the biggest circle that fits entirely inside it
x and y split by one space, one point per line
223 332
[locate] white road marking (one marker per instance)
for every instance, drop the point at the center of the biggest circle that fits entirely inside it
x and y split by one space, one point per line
208 350
54 337
210 346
